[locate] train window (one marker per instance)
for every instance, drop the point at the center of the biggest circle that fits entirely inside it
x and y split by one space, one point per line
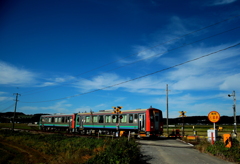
68 119
100 119
49 119
108 119
130 118
55 119
114 120
59 119
63 119
87 118
52 119
156 118
95 119
151 116
124 118
135 116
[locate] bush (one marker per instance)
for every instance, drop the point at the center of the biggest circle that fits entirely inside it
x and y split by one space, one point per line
119 151
219 149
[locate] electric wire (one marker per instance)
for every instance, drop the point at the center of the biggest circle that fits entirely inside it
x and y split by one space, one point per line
139 76
7 108
176 38
140 59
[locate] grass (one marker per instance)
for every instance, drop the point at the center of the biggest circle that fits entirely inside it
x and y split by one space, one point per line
202 130
16 126
53 149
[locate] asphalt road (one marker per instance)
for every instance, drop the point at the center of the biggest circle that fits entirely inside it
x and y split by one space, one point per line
172 151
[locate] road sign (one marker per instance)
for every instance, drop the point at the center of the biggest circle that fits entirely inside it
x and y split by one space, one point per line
213 116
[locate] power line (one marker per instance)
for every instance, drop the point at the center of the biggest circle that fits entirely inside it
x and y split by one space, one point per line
7 108
144 58
192 32
5 102
140 76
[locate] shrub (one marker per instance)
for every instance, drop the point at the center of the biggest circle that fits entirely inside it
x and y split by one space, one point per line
118 151
219 149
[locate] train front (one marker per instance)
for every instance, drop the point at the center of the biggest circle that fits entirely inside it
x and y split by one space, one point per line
153 123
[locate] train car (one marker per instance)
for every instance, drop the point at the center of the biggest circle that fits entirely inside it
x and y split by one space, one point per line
59 122
139 122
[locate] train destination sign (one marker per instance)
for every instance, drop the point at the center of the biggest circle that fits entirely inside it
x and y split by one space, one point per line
213 116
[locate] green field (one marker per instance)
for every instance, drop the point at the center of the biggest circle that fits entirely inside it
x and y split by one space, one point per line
17 126
201 130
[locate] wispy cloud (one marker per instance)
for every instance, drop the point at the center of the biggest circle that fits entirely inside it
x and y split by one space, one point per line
57 107
99 82
55 81
220 2
14 76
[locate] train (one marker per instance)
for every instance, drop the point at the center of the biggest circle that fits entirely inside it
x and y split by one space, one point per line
139 122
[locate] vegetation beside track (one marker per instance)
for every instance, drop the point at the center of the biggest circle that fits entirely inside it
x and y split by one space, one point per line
16 126
21 147
201 130
218 149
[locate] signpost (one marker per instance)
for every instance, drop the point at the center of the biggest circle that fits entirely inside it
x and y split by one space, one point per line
182 114
214 117
117 110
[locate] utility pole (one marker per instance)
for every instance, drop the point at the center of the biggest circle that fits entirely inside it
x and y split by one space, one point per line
15 109
167 108
234 111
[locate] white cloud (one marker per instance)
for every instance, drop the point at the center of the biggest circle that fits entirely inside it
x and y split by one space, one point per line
99 82
221 2
3 97
58 107
119 99
55 81
144 53
206 73
231 83
11 75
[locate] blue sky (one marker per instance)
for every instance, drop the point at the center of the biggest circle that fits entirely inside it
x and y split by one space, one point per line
76 56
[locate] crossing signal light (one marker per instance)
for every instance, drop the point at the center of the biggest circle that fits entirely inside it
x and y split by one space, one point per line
120 116
113 117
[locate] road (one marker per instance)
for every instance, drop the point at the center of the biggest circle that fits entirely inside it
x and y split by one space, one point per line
172 151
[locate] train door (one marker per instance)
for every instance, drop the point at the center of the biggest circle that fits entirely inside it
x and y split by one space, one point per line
80 122
70 122
156 120
141 121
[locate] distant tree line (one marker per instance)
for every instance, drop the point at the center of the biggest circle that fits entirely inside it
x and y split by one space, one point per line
200 120
19 117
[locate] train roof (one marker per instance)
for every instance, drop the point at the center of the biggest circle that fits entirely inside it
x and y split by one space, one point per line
111 110
57 114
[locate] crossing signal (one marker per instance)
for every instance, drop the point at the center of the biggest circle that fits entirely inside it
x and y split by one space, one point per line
113 117
120 116
182 113
117 110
